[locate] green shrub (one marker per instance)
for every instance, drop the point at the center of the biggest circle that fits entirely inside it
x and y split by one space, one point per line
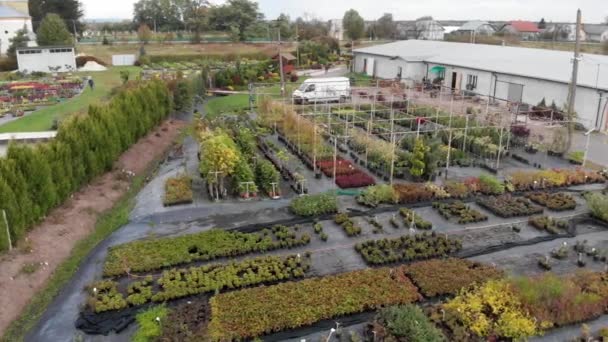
150 324
598 204
314 205
377 194
410 323
576 156
490 185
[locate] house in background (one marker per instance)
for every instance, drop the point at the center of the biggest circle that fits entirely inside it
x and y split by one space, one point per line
14 16
526 30
596 33
424 28
46 59
476 27
563 32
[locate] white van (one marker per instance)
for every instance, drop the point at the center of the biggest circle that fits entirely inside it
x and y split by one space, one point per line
322 90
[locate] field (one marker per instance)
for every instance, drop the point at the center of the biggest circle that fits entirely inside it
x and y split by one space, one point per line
42 120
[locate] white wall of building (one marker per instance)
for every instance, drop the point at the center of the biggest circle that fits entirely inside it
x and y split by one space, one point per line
41 59
499 85
8 30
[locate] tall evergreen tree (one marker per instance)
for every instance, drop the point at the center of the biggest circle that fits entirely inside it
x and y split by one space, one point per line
70 11
354 25
52 31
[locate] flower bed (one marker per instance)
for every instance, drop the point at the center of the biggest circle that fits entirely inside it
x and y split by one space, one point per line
556 202
242 315
347 224
446 277
178 283
548 224
178 190
459 210
148 255
506 206
407 248
314 205
356 180
419 222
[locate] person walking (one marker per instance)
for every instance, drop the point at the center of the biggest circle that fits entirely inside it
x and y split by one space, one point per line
91 83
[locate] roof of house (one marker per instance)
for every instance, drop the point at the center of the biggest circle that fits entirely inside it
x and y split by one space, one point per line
473 25
9 12
595 28
46 47
544 64
524 26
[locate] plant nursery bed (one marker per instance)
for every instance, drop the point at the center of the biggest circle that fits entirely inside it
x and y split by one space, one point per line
178 190
459 211
507 206
407 248
150 255
553 201
237 315
548 224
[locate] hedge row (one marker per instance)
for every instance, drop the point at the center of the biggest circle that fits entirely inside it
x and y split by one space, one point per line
35 179
149 255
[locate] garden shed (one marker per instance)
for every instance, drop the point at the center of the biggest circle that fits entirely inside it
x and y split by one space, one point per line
289 61
519 75
46 59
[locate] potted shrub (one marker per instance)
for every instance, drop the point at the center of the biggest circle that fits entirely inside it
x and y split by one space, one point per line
576 157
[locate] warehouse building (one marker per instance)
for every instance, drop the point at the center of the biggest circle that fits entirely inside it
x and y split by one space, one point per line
518 75
46 59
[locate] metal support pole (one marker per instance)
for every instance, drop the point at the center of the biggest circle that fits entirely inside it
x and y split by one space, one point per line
586 150
335 156
447 163
393 142
8 233
499 147
466 131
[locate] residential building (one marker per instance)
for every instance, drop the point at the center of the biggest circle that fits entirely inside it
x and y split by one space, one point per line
476 28
526 30
563 32
596 33
514 74
46 59
14 16
424 28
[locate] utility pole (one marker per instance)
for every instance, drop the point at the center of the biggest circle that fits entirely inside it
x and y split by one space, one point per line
573 83
297 46
281 65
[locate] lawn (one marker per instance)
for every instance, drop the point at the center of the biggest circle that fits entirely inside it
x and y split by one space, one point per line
42 120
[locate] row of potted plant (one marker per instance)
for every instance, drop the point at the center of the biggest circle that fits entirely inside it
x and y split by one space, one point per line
419 223
178 190
548 224
347 223
554 201
149 255
552 178
407 248
462 212
508 206
178 283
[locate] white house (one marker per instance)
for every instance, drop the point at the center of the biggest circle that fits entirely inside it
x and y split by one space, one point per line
518 75
14 16
596 33
46 59
566 32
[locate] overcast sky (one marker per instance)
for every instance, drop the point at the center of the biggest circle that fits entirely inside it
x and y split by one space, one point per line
551 10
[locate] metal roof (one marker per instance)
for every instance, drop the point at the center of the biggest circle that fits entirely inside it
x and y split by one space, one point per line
46 47
544 64
9 12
